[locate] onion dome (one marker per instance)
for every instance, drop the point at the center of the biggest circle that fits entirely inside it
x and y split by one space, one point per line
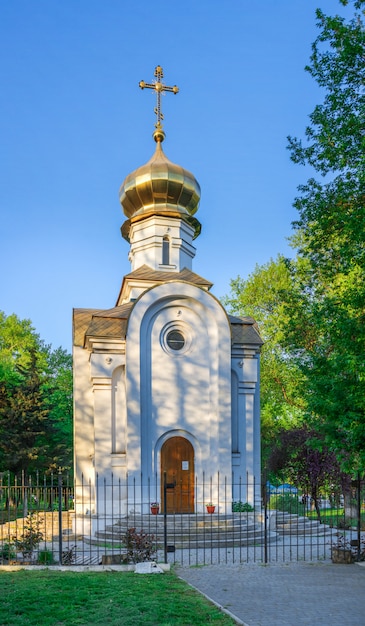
160 187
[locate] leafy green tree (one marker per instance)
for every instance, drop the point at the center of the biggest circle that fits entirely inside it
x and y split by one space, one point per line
59 388
18 340
301 457
23 413
326 320
35 400
263 296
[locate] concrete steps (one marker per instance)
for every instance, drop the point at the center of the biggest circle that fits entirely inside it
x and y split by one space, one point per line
190 531
292 524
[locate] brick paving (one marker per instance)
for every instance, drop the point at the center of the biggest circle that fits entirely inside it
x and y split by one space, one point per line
285 594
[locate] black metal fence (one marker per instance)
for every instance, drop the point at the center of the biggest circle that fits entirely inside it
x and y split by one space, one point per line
51 521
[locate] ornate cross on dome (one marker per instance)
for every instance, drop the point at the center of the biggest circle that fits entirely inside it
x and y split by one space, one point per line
159 87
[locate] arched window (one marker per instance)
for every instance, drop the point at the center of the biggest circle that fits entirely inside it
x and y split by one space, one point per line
165 251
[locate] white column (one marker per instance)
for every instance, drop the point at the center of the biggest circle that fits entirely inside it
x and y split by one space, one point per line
251 450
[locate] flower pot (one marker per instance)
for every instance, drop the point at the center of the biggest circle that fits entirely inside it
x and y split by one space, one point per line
155 510
210 508
341 555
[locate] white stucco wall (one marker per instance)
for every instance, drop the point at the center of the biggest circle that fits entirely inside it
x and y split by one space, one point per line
185 392
146 243
132 395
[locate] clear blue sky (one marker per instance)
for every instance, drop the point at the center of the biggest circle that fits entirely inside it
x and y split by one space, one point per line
73 124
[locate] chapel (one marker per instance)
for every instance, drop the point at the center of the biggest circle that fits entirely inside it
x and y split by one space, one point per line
166 383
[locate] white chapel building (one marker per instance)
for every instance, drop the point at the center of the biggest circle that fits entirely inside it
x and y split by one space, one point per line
166 384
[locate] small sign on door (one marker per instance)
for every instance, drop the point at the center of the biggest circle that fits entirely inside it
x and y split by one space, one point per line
185 465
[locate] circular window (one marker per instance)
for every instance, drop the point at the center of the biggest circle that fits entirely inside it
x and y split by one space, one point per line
175 340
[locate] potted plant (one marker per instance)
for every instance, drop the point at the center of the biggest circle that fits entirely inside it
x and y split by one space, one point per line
155 508
210 507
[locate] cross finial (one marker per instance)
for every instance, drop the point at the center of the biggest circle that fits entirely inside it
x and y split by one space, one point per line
159 87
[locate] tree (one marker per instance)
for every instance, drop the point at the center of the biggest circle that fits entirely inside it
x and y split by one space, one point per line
305 461
23 415
35 400
59 388
263 296
330 236
17 341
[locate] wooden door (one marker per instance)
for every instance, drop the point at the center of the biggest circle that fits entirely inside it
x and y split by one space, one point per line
177 461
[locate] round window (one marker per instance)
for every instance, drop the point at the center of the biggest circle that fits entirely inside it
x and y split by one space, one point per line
175 340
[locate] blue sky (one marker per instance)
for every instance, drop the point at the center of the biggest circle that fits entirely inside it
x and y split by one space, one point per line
74 123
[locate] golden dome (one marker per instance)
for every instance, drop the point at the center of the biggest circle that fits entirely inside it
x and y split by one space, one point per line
160 187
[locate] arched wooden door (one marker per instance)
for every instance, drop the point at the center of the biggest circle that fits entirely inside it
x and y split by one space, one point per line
177 460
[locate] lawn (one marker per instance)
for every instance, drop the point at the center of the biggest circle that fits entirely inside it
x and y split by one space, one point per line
54 598
336 518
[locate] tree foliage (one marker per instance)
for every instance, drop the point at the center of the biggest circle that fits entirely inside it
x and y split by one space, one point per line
311 310
35 400
330 237
263 295
23 416
301 456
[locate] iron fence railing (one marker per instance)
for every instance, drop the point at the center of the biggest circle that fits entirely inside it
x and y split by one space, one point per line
50 520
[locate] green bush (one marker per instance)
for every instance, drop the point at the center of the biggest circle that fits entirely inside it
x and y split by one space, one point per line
45 557
287 503
242 507
7 552
31 537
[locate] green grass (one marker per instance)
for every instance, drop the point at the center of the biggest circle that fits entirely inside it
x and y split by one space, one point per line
55 598
335 518
328 516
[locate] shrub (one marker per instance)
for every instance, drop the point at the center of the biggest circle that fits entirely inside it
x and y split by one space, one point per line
140 546
45 557
242 507
343 524
7 552
287 503
31 537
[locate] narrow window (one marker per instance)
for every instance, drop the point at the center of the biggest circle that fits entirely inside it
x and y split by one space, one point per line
165 251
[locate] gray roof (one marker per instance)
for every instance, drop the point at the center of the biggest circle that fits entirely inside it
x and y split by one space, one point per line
157 277
112 323
245 330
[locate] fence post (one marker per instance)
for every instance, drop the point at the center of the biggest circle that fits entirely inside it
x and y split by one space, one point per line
60 514
264 494
166 486
164 517
358 516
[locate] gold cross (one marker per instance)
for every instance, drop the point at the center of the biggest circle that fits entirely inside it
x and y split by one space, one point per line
159 87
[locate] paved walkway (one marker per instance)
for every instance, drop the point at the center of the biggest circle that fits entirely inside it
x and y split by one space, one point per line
285 594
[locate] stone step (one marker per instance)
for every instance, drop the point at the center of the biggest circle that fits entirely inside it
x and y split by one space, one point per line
182 536
157 528
186 519
291 516
296 523
303 531
190 531
292 524
201 542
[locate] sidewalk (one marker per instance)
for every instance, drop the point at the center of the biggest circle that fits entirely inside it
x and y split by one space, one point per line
290 594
